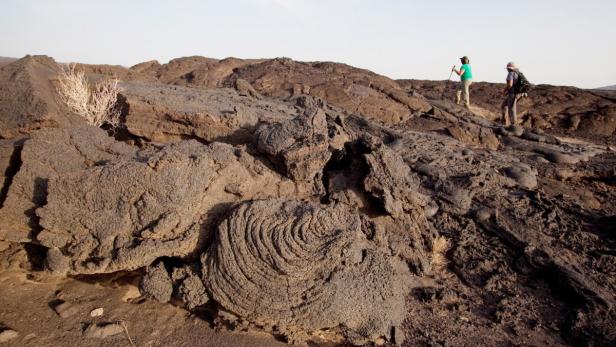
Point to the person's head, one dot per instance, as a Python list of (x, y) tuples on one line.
[(511, 66), (464, 60)]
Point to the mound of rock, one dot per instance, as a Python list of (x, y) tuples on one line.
[(303, 267), (28, 99)]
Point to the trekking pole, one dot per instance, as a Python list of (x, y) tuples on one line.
[(448, 83), (451, 74)]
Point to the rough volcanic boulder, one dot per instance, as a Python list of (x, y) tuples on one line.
[(124, 214), (184, 284), (304, 267), (391, 180), (302, 145), (50, 153), (28, 99), (164, 113)]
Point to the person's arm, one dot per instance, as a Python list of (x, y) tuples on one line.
[(459, 72)]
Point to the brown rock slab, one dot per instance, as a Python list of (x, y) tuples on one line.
[(164, 113), (66, 309), (101, 331)]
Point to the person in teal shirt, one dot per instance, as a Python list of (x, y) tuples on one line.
[(466, 79)]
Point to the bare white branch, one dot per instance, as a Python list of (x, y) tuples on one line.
[(97, 104)]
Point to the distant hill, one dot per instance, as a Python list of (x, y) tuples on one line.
[(6, 60), (608, 88)]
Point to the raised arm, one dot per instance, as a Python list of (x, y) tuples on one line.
[(459, 72)]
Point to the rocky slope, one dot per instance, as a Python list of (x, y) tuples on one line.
[(315, 202), (608, 88), (560, 110)]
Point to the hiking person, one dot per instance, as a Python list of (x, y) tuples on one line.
[(466, 79), (516, 88)]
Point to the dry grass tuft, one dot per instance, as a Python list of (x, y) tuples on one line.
[(440, 246), (97, 104), (123, 325)]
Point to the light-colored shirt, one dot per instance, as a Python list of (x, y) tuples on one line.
[(512, 76)]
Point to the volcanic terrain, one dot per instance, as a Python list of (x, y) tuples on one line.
[(271, 201)]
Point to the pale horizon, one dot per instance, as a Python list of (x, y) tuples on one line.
[(552, 42)]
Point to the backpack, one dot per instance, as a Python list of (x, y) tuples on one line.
[(521, 85)]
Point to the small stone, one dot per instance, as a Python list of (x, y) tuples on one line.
[(97, 312), (539, 159), (523, 175), (564, 174), (380, 341), (431, 210), (66, 309), (101, 331), (561, 158), (8, 335), (56, 262), (156, 283), (483, 214)]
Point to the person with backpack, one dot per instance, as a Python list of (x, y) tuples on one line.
[(516, 88), (466, 79)]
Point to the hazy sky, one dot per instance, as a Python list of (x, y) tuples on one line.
[(556, 42)]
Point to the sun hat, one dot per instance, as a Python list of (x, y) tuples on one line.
[(511, 65)]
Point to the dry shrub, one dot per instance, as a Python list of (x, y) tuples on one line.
[(96, 104), (440, 246)]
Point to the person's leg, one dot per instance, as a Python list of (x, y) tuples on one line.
[(505, 110), (513, 109), (467, 98), (459, 92)]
